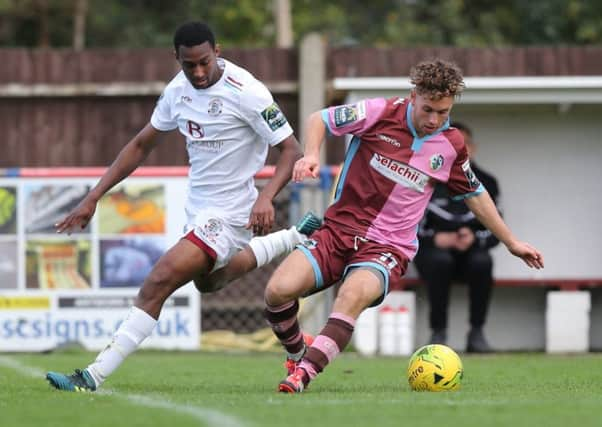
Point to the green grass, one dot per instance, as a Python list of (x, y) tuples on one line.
[(196, 389)]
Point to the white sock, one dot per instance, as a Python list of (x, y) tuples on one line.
[(297, 356), (282, 242), (135, 328)]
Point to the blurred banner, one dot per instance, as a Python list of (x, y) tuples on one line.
[(58, 288), (43, 321)]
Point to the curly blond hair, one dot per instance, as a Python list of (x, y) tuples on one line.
[(437, 79)]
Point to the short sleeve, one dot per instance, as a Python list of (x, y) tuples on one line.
[(162, 118), (264, 115), (463, 182), (354, 118)]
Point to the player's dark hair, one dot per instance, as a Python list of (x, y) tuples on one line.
[(462, 127), (193, 34)]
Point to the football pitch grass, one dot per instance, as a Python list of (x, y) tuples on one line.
[(239, 390)]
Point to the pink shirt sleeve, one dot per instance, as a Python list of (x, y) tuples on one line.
[(355, 118)]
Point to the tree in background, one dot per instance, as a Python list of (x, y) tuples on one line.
[(402, 23)]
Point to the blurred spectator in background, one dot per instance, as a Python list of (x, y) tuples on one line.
[(455, 246)]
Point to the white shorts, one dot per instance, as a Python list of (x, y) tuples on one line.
[(211, 232)]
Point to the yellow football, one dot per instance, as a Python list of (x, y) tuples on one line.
[(435, 367)]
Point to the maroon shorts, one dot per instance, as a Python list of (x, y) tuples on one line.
[(334, 252)]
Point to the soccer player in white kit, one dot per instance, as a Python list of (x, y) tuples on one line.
[(229, 120)]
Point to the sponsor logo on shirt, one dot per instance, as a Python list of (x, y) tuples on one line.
[(346, 114), (210, 146), (186, 98), (215, 107), (473, 181), (436, 162), (400, 172), (273, 117), (195, 130), (388, 139)]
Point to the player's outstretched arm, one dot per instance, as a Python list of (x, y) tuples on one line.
[(263, 213), (486, 212), (309, 164), (128, 159)]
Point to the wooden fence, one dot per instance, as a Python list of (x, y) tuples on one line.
[(57, 108)]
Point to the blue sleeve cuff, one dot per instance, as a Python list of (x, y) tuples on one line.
[(324, 114), (478, 191)]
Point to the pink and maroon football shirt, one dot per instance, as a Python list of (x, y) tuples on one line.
[(389, 172)]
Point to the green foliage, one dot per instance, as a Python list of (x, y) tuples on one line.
[(401, 23), (139, 23), (35, 22)]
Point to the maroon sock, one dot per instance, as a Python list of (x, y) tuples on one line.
[(283, 321), (332, 340)]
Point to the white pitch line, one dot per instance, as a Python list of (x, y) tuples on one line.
[(208, 417), (26, 371)]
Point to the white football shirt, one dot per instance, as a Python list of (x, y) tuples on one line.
[(228, 128)]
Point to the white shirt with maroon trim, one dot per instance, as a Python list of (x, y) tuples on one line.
[(228, 129)]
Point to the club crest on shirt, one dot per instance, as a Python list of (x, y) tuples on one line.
[(215, 107), (436, 162), (274, 117), (470, 176), (346, 114)]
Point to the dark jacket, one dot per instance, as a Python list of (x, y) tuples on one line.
[(445, 214)]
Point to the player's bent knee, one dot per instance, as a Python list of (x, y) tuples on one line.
[(278, 292), (159, 284), (290, 280), (271, 294)]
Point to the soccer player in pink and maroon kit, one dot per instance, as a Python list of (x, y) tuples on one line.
[(400, 149)]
